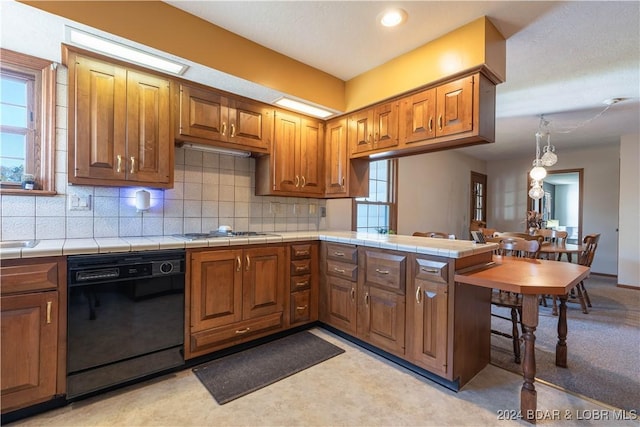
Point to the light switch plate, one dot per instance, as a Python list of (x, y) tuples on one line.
[(79, 203)]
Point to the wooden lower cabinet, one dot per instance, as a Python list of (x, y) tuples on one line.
[(303, 280), (235, 295), (33, 331)]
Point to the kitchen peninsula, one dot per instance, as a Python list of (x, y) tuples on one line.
[(447, 284)]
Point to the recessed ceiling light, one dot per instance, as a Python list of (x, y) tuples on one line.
[(393, 17)]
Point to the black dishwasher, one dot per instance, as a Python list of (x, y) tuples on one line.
[(125, 318)]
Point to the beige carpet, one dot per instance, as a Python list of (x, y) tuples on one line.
[(604, 346)]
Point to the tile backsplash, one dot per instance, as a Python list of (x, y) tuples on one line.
[(209, 190)]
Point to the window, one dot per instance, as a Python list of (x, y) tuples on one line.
[(27, 120), (478, 201), (378, 212)]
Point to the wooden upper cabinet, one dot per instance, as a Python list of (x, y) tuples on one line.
[(452, 114), (295, 166), (119, 125), (207, 116), (374, 128), (336, 158)]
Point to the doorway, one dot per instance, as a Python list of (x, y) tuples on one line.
[(561, 206)]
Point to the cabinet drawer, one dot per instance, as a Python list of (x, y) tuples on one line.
[(240, 330), (300, 251), (29, 277), (342, 253), (299, 283), (385, 270), (300, 267), (434, 271), (341, 269), (301, 306)]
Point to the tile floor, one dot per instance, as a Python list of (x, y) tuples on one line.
[(356, 388)]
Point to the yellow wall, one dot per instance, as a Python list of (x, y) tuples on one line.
[(163, 27)]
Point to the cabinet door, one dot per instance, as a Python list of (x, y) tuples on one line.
[(341, 307), (148, 128), (250, 125), (382, 319), (455, 107), (336, 158), (216, 288), (285, 142), (309, 157), (29, 349), (97, 124), (263, 281), (428, 325), (360, 132), (417, 117), (203, 114), (385, 125)]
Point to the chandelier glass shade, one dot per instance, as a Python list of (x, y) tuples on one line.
[(548, 158)]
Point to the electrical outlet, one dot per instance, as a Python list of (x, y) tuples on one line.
[(79, 203), (323, 212)]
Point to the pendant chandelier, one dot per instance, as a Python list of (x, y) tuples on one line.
[(548, 158)]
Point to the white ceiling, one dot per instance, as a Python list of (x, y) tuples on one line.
[(563, 58)]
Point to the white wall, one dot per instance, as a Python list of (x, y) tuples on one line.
[(629, 244), (508, 202)]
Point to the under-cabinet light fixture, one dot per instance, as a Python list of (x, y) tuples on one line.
[(303, 107), (121, 51), (217, 150), (143, 200)]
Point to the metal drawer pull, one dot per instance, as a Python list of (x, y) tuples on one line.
[(248, 262), (238, 263), (49, 311), (301, 268), (301, 307), (429, 270), (382, 271), (338, 270), (430, 294), (339, 254), (418, 295), (301, 284), (302, 253), (243, 331)]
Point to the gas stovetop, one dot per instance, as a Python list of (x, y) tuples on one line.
[(214, 234)]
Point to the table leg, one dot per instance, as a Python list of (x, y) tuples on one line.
[(528, 394), (561, 346)]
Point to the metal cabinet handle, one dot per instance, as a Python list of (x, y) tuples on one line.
[(238, 263), (233, 130), (429, 270), (339, 254), (301, 284), (366, 298), (338, 270), (382, 271), (304, 181), (242, 331), (301, 268), (418, 295), (343, 182), (430, 124), (224, 129), (248, 266), (302, 253), (440, 121), (301, 307), (119, 165), (49, 303), (133, 164), (353, 293), (297, 181)]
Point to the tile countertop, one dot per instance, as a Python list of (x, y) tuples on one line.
[(424, 245)]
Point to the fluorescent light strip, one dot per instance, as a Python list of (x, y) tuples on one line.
[(112, 48), (303, 108), (210, 149)]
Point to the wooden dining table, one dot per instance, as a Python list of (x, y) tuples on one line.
[(531, 278), (558, 249)]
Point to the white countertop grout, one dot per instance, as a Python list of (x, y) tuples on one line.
[(423, 245)]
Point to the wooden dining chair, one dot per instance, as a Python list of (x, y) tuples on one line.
[(553, 237), (487, 232), (523, 235), (435, 234), (512, 300)]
